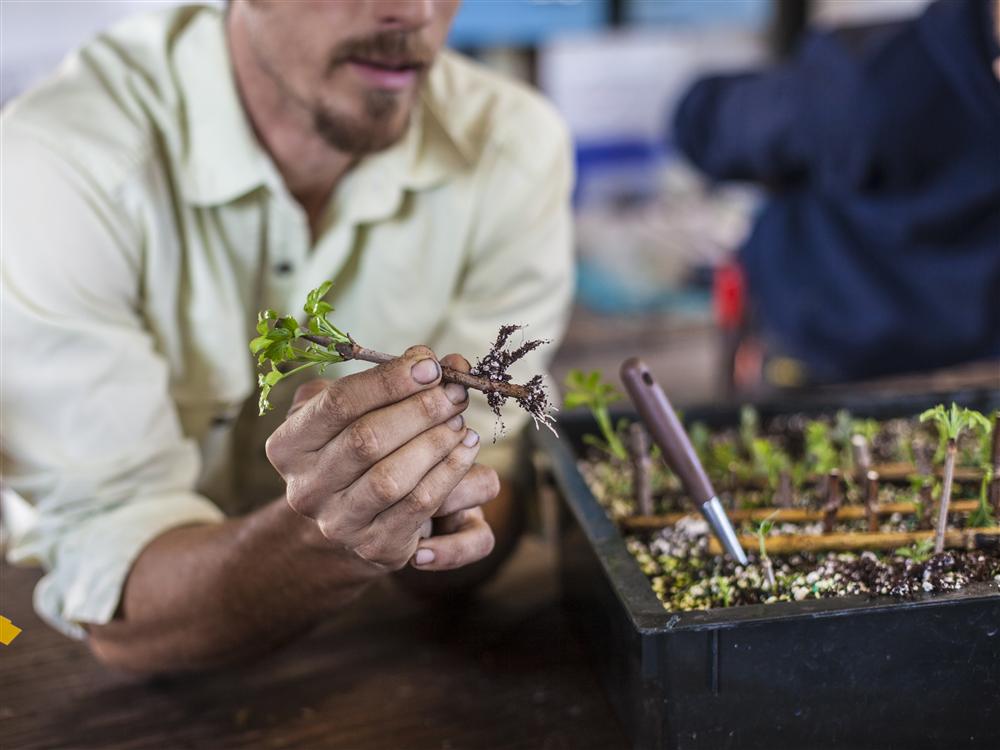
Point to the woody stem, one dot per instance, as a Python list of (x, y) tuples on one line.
[(351, 350)]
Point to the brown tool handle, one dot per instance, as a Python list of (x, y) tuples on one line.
[(657, 413)]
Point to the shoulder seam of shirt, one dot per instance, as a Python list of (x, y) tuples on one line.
[(113, 184), (509, 106)]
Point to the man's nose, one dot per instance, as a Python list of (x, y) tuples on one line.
[(404, 14)]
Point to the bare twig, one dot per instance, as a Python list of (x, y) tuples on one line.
[(638, 448), (871, 501), (949, 471), (834, 499), (784, 497), (448, 374), (862, 455)]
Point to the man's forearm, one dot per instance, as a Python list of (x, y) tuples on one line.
[(205, 595)]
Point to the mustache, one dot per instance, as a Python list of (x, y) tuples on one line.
[(397, 48)]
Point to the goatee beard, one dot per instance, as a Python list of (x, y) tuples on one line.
[(373, 132)]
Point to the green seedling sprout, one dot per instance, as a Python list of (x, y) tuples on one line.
[(769, 460), (951, 423), (917, 483), (763, 529), (587, 389), (843, 428), (749, 428), (722, 458), (919, 551), (869, 429), (983, 514), (700, 439), (821, 456)]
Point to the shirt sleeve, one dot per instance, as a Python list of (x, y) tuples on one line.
[(91, 438), (519, 268), (773, 126)]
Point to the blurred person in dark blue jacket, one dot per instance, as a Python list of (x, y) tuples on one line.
[(878, 250)]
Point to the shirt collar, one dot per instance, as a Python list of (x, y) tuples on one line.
[(221, 159)]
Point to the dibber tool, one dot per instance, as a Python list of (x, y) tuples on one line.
[(658, 415)]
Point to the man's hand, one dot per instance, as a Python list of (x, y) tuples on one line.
[(373, 457), (368, 461)]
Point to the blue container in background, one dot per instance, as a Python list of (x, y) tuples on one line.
[(491, 23)]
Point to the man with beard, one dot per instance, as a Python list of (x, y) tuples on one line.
[(188, 169)]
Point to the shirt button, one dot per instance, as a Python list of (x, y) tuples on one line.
[(283, 268)]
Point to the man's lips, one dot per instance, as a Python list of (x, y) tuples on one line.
[(390, 75)]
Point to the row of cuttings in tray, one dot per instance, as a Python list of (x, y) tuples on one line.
[(826, 506)]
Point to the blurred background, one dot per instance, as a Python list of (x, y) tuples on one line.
[(655, 239)]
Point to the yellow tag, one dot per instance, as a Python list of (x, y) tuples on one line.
[(8, 631)]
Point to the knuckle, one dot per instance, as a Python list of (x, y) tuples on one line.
[(458, 461), (384, 485), (421, 501), (363, 441), (442, 441), (306, 391), (300, 497), (333, 405), (330, 529), (376, 550), (433, 405), (274, 448), (391, 381)]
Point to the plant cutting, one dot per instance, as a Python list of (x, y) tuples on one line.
[(589, 390), (284, 346), (763, 529), (951, 423)]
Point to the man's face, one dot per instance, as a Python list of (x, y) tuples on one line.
[(355, 65)]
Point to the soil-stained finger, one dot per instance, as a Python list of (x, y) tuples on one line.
[(341, 402), (477, 488), (468, 539), (397, 480), (380, 433), (405, 517)]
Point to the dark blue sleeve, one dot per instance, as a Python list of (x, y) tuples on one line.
[(765, 126)]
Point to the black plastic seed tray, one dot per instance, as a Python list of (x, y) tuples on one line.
[(847, 673)]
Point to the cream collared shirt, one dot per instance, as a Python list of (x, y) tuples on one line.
[(143, 227)]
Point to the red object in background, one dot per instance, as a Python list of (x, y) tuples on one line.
[(729, 296)]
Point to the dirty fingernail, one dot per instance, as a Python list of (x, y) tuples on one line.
[(456, 393), (425, 371), (456, 422), (470, 439), (424, 556)]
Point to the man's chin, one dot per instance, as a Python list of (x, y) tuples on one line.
[(359, 135)]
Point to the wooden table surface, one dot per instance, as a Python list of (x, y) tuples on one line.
[(501, 673)]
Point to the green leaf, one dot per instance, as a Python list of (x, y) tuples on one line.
[(315, 305), (258, 344)]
